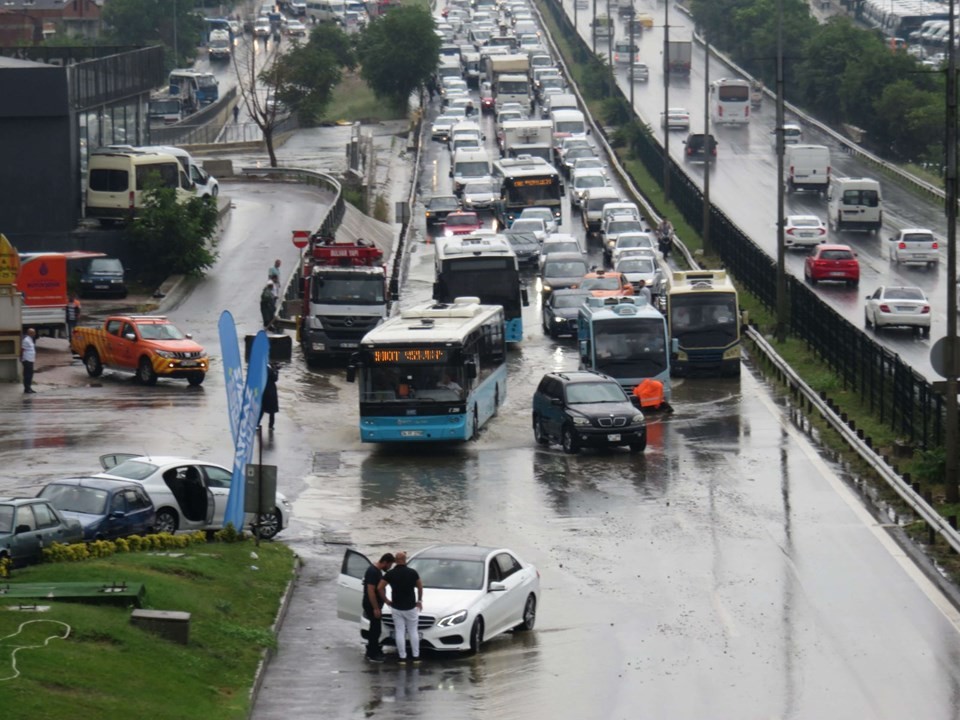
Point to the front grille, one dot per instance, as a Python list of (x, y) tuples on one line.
[(612, 421), (187, 355), (352, 327), (423, 622)]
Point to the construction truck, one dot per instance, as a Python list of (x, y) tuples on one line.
[(344, 293)]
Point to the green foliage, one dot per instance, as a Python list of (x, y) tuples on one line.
[(178, 236), (616, 111), (398, 53), (149, 22), (930, 465), (306, 76)]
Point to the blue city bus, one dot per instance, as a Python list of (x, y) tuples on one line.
[(526, 182), (195, 89), (704, 319), (625, 338), (485, 267), (436, 373)]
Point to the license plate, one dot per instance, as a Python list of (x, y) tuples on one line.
[(838, 274), (615, 437), (349, 345), (319, 347), (411, 433), (918, 256), (188, 363), (101, 287), (904, 309), (806, 235), (393, 635)]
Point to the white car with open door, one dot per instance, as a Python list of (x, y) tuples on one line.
[(470, 595), (189, 494)]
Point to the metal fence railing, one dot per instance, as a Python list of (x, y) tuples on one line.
[(902, 398)]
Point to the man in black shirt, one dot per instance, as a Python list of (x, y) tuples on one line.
[(406, 589), (373, 603)]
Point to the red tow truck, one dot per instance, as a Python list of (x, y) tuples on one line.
[(344, 296)]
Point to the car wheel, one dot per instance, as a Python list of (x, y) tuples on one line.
[(270, 524), (476, 426), (529, 614), (146, 373), (496, 400), (812, 279), (569, 440), (866, 320), (853, 283), (92, 362), (639, 445), (215, 191), (539, 433), (476, 635), (197, 379), (166, 521), (926, 332)]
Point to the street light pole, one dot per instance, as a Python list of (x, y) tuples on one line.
[(666, 101), (610, 79), (176, 49), (633, 57), (783, 310), (705, 233), (951, 355), (593, 28)]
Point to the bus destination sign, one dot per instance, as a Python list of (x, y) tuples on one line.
[(409, 356)]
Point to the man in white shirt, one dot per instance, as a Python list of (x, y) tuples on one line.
[(28, 356)]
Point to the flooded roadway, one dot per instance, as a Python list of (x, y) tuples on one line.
[(727, 572)]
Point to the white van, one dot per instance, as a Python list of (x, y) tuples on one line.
[(326, 10), (207, 185), (567, 123), (116, 180), (855, 203), (806, 167), (469, 165), (591, 208), (558, 101)]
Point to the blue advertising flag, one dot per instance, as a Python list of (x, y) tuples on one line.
[(247, 429), (232, 369)]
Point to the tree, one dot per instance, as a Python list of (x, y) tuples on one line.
[(147, 22), (307, 75), (175, 235), (257, 71), (398, 53)]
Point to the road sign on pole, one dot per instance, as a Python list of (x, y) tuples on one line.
[(301, 238)]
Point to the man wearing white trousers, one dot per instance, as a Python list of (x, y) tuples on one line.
[(406, 601)]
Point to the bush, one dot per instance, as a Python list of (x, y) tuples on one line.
[(77, 552)]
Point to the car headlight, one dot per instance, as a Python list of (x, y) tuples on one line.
[(637, 419), (580, 421), (547, 288), (450, 620), (164, 353), (557, 320)]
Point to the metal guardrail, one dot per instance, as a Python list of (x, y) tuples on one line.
[(795, 383), (195, 128), (395, 264)]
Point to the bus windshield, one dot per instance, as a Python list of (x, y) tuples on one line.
[(704, 320), (532, 191), (410, 383), (630, 347)]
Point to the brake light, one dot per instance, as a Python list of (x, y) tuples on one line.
[(902, 245), (746, 111), (790, 231), (828, 171), (822, 231), (885, 308), (133, 199), (925, 310), (720, 111), (935, 245), (791, 171)]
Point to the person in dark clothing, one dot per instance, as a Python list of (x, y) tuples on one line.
[(271, 403), (406, 590), (268, 305), (373, 604)]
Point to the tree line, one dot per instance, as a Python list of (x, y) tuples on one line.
[(837, 72)]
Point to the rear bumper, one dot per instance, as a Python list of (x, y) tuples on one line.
[(609, 437)]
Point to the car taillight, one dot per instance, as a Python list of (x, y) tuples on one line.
[(828, 171), (746, 112), (720, 111), (935, 245), (885, 308), (790, 231), (925, 310), (902, 246), (133, 199), (791, 171), (822, 231)]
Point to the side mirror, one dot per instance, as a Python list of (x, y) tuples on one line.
[(524, 296), (352, 367), (129, 336), (635, 401), (117, 514), (471, 368), (188, 336), (451, 173), (674, 347), (497, 587), (584, 350)]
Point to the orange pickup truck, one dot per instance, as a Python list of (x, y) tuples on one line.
[(150, 346)]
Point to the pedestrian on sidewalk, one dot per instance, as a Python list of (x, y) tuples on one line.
[(406, 589), (236, 114), (373, 605), (28, 356), (268, 305), (271, 403), (274, 272), (72, 315)]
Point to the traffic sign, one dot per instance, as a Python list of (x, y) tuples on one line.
[(938, 358), (301, 238)]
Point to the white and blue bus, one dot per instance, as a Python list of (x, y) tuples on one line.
[(436, 373), (485, 267), (625, 338)]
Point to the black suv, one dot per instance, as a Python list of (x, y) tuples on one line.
[(586, 408), (700, 147)]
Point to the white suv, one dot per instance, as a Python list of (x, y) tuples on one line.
[(915, 245)]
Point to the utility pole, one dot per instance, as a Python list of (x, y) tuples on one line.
[(666, 101), (576, 14), (176, 49), (951, 356), (633, 54), (705, 232), (783, 310), (593, 27), (611, 77)]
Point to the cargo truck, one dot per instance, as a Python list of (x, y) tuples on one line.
[(679, 53)]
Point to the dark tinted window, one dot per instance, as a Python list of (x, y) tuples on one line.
[(109, 180), (507, 564), (836, 255)]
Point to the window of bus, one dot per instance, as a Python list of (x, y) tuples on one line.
[(733, 93), (713, 315), (390, 380), (531, 190)]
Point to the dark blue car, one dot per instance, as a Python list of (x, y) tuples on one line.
[(105, 508), (103, 276)]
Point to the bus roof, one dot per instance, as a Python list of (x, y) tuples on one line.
[(608, 308), (523, 166), (475, 245), (433, 322), (700, 281)]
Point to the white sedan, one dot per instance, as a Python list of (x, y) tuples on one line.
[(675, 119), (898, 307), (804, 231), (470, 595), (189, 494)]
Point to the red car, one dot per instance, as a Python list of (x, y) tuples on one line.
[(462, 223), (832, 262), (487, 100)]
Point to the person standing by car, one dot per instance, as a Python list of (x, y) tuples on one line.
[(406, 590), (28, 356), (72, 315), (373, 604)]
